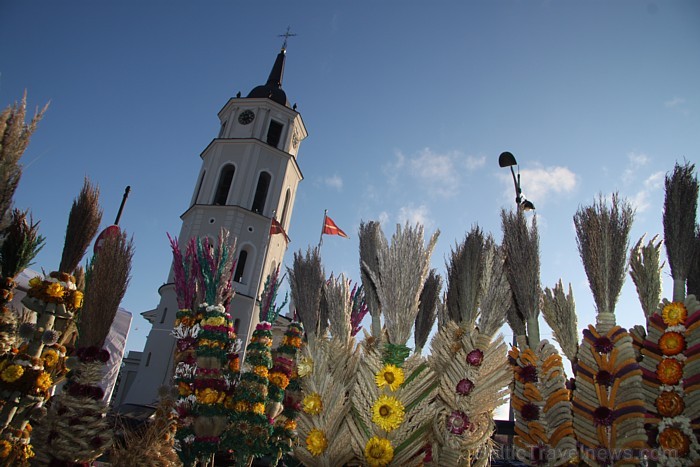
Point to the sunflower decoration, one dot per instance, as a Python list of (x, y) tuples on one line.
[(327, 371), (393, 400)]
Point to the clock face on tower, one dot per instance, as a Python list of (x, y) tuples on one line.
[(246, 117)]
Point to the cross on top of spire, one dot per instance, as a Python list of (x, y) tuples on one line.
[(286, 36)]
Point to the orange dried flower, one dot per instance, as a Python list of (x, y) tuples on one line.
[(669, 371), (674, 442), (670, 404), (672, 343)]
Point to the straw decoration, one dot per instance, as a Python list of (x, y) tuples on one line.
[(306, 278), (427, 311), (215, 268), (109, 274), (402, 269), (327, 373), (602, 235), (645, 271), (464, 273), (680, 207), (269, 310), (496, 296), (15, 134), (83, 222), (21, 243), (336, 291), (522, 263), (370, 238), (559, 310)]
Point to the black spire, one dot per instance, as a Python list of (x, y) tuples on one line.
[(272, 89)]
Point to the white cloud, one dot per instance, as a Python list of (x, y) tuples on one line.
[(415, 215), (538, 184), (636, 161), (334, 182), (439, 174), (675, 102)]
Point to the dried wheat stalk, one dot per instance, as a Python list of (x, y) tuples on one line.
[(496, 296), (83, 221), (427, 310), (109, 275), (559, 310), (14, 139), (522, 262), (680, 206), (603, 239), (402, 269), (306, 278), (371, 237), (336, 292), (645, 271), (464, 273)]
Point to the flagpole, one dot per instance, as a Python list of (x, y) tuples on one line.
[(323, 226)]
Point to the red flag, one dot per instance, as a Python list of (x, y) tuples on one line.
[(329, 228), (276, 228)]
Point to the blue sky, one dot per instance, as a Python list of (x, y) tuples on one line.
[(408, 105)]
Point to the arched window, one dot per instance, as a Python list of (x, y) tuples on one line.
[(224, 185), (199, 187), (240, 266), (261, 193), (223, 128), (283, 220)]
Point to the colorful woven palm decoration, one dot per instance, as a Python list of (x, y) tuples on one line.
[(608, 400), (469, 362)]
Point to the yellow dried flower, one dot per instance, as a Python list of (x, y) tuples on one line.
[(261, 371), (43, 381), (316, 442), (214, 321), (388, 413), (35, 282), (391, 376), (50, 357), (674, 313), (279, 379), (259, 408), (241, 406), (312, 404), (77, 299), (378, 452), (54, 290), (12, 373), (305, 366), (5, 448), (207, 395)]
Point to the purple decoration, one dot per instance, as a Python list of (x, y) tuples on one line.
[(530, 412), (603, 416), (458, 422), (528, 373), (475, 357), (603, 345), (604, 378), (359, 309), (464, 387)]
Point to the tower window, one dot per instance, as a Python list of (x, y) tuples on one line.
[(199, 187), (240, 266), (261, 193), (223, 128), (236, 325), (165, 313), (274, 133), (224, 185)]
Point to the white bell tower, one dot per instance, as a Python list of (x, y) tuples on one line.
[(249, 175)]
